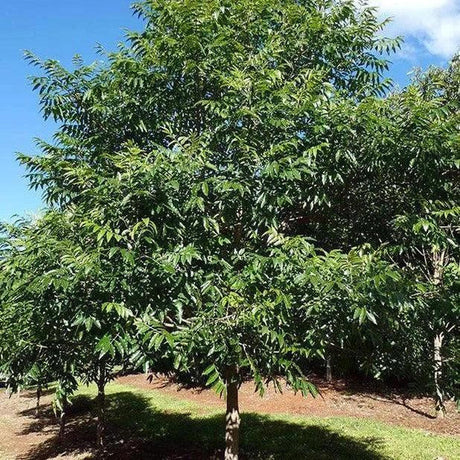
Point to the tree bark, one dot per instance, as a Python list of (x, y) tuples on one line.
[(101, 406), (62, 420), (328, 369), (37, 407), (440, 258), (439, 398), (232, 420)]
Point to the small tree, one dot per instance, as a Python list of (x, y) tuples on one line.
[(59, 321), (428, 233), (37, 344), (431, 251)]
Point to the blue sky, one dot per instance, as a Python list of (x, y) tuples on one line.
[(61, 28)]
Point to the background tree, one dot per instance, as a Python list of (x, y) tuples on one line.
[(37, 344), (59, 323)]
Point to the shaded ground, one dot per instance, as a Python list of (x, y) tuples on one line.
[(337, 399), (163, 421)]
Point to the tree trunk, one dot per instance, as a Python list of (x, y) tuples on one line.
[(439, 399), (440, 259), (101, 407), (328, 369), (37, 407), (62, 420), (232, 421)]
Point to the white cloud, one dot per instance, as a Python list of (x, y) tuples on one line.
[(435, 24)]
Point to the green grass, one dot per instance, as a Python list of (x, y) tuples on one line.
[(155, 422)]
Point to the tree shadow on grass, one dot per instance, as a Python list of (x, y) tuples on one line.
[(136, 430)]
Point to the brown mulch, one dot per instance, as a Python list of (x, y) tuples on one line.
[(340, 398)]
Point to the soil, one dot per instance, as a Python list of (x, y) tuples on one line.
[(22, 436), (339, 398)]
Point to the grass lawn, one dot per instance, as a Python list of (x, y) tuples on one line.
[(155, 425)]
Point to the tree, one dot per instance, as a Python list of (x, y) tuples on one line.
[(37, 344), (226, 105), (430, 248), (58, 319), (214, 145), (429, 233)]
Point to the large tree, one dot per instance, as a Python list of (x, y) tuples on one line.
[(205, 156)]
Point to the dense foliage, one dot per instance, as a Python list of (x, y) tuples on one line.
[(236, 193)]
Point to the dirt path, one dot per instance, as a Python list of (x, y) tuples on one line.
[(337, 399)]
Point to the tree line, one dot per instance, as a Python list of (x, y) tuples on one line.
[(239, 192)]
